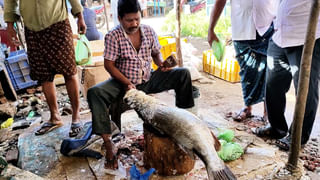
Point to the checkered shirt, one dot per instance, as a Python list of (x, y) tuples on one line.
[(136, 66)]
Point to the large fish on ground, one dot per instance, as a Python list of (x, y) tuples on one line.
[(184, 127)]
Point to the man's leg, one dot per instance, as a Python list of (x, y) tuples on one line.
[(178, 79), (253, 74), (277, 85), (72, 85), (294, 56), (49, 90), (100, 98)]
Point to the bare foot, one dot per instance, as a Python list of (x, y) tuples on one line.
[(55, 118), (111, 161)]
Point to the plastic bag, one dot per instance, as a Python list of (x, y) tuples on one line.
[(7, 123), (230, 151), (136, 175), (82, 51), (226, 135), (218, 49)]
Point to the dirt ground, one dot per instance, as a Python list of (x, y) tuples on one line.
[(221, 97)]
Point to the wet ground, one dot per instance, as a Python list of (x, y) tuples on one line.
[(217, 99)]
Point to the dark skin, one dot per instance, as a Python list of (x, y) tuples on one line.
[(131, 24), (214, 17)]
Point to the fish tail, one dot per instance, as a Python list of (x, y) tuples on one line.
[(221, 174)]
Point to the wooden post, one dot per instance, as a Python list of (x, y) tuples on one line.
[(106, 14), (303, 86), (178, 34)]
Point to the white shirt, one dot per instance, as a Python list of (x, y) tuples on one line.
[(249, 16), (114, 11), (291, 23)]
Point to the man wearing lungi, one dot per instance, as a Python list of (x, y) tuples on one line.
[(251, 30), (50, 50)]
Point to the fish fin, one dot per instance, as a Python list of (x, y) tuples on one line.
[(187, 151), (222, 174), (154, 129), (217, 144)]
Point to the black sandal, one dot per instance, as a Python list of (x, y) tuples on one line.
[(47, 127), (285, 143), (266, 131)]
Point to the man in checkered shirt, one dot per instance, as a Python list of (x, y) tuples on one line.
[(129, 50)]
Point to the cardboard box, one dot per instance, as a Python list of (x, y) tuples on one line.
[(94, 73), (90, 76), (96, 47)]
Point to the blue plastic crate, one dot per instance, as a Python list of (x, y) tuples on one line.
[(19, 71)]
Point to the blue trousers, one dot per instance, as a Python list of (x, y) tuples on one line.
[(102, 95), (283, 66)]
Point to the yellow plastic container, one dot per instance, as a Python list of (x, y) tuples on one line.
[(168, 45), (228, 69)]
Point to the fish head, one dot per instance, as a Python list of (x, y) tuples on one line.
[(134, 98), (129, 98), (141, 102)]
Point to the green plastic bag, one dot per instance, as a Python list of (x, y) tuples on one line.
[(218, 50), (226, 135), (82, 51), (230, 151)]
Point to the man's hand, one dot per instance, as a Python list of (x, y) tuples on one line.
[(212, 37), (82, 28), (165, 69), (130, 86), (12, 35)]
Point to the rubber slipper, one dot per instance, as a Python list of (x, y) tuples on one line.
[(47, 127), (75, 129), (266, 131), (285, 143), (242, 115)]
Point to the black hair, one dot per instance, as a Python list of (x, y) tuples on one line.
[(83, 2), (128, 6)]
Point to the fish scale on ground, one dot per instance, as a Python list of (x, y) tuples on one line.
[(190, 132)]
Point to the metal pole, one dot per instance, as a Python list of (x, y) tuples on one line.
[(178, 34), (303, 86), (106, 14)]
